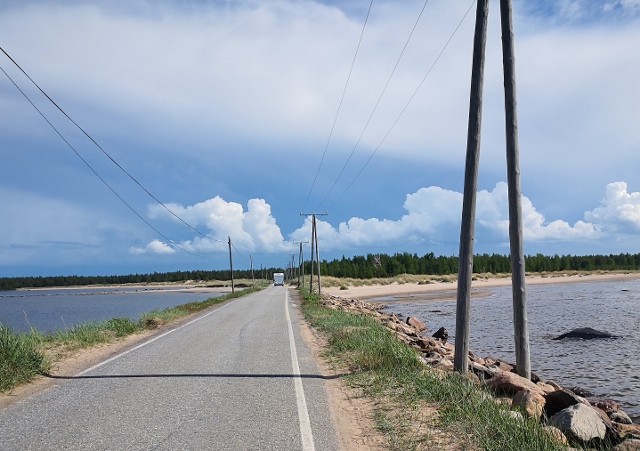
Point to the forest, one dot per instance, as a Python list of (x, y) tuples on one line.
[(360, 267), (382, 265)]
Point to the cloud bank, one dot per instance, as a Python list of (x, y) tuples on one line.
[(432, 216)]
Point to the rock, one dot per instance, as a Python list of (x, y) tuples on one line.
[(620, 417), (531, 402), (442, 334), (559, 400), (426, 343), (405, 329), (547, 388), (584, 392), (579, 422), (416, 324), (586, 333), (628, 445), (628, 430), (605, 404), (556, 434), (444, 364), (482, 371), (511, 383), (499, 364)]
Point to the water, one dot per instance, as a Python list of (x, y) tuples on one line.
[(49, 310), (607, 367)]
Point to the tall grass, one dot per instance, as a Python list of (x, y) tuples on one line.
[(20, 357), (417, 407), (24, 355)]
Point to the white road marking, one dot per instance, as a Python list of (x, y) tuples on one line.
[(151, 341), (303, 413)]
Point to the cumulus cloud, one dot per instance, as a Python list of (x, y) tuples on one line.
[(433, 215), (154, 247), (217, 219), (620, 210)]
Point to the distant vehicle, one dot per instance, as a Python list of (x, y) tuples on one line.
[(278, 279)]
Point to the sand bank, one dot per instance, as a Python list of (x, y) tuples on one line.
[(447, 290)]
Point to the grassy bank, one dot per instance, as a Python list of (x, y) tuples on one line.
[(417, 407), (24, 355)]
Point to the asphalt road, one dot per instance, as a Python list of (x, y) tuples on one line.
[(237, 377)]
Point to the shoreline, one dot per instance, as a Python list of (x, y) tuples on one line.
[(447, 290)]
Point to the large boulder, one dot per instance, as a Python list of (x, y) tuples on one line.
[(586, 333), (579, 422), (510, 383), (561, 399)]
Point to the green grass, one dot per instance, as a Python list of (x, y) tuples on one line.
[(25, 355), (418, 407)]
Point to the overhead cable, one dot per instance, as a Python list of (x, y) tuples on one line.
[(335, 119), (405, 107), (105, 152), (376, 105), (94, 171)]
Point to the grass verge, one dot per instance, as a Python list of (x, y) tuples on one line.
[(417, 407), (24, 355)]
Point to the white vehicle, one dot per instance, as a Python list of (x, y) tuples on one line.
[(278, 279)]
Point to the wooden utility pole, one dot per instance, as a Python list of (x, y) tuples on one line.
[(233, 290), (253, 280), (523, 362), (465, 261), (465, 270), (300, 262), (314, 249)]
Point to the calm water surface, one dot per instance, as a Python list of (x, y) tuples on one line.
[(48, 310), (607, 367)]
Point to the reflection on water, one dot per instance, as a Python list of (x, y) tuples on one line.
[(48, 310), (607, 367)]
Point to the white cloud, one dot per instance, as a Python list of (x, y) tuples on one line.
[(253, 230), (154, 247), (433, 214), (620, 210)]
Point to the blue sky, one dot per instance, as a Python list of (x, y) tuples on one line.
[(223, 111)]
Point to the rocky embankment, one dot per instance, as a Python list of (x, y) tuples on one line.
[(571, 415)]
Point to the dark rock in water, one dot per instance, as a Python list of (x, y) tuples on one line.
[(586, 333), (441, 333)]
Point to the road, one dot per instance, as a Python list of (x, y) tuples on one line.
[(237, 377)]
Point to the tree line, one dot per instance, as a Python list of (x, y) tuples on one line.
[(383, 265), (358, 267), (13, 283)]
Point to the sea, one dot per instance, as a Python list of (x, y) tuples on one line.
[(609, 368), (48, 310)]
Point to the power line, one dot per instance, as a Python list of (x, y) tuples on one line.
[(405, 107), (100, 147), (376, 105), (94, 171), (335, 120)]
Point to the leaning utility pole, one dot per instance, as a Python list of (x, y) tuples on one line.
[(233, 290), (523, 362), (465, 265)]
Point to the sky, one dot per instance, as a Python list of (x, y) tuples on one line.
[(228, 119)]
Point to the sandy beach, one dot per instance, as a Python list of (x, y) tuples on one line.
[(447, 290)]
